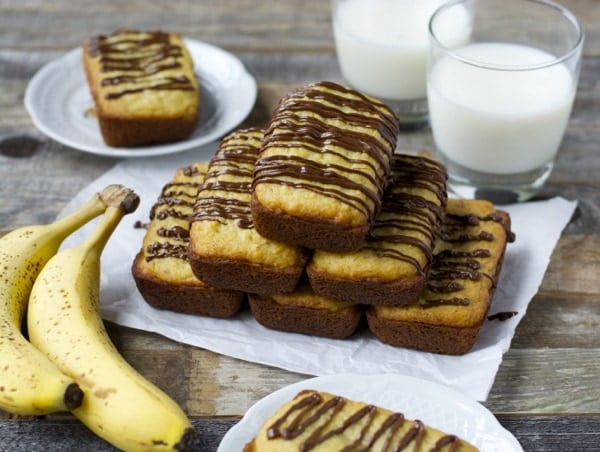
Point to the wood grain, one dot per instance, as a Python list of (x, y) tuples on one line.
[(234, 24), (538, 433), (574, 267)]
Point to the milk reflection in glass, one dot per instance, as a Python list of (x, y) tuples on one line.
[(499, 121), (382, 47)]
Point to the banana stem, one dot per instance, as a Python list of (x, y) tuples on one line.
[(91, 209), (99, 237), (114, 195), (120, 196), (119, 201)]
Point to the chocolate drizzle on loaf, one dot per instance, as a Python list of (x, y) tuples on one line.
[(391, 263), (179, 198), (226, 193), (175, 194), (226, 249), (159, 250), (136, 58), (326, 420), (451, 267), (502, 316), (408, 216), (307, 118), (162, 270), (176, 232)]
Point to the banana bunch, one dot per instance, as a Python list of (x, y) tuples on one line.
[(69, 361), (30, 383), (64, 322)]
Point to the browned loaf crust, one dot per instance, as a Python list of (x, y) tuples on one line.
[(143, 86), (225, 248), (321, 421), (302, 311), (161, 271), (323, 166), (391, 265), (453, 306)]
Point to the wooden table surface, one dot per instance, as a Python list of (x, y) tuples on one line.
[(547, 390)]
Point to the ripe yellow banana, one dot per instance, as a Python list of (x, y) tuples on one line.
[(29, 382), (64, 322)]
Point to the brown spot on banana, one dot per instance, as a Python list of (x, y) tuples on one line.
[(104, 392)]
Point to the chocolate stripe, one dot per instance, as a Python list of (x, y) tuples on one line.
[(230, 171), (137, 60), (326, 119)]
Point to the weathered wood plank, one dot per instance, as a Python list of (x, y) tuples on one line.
[(554, 433), (574, 267), (539, 433), (539, 380), (553, 322), (562, 380), (225, 386), (49, 435), (55, 171), (236, 24)]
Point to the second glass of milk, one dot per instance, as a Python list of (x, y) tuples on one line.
[(382, 48), (499, 104)]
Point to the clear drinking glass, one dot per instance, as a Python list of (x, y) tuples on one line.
[(382, 48), (500, 100)]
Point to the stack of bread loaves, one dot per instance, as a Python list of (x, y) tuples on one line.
[(320, 224)]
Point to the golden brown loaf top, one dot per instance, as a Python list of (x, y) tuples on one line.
[(467, 259), (141, 74), (320, 421), (143, 85), (221, 224), (225, 248), (164, 248), (161, 269), (399, 247), (305, 297), (325, 159)]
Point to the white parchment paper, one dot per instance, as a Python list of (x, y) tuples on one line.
[(537, 226)]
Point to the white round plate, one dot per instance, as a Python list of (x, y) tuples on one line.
[(57, 98), (434, 404)]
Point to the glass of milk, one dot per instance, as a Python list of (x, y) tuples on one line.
[(382, 48), (499, 102)]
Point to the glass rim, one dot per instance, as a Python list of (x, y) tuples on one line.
[(473, 62)]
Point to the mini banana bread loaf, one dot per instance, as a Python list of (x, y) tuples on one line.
[(320, 422), (323, 165), (161, 271), (392, 263), (304, 312), (225, 248), (454, 303), (143, 86)]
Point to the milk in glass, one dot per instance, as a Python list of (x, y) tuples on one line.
[(503, 120), (382, 45)]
